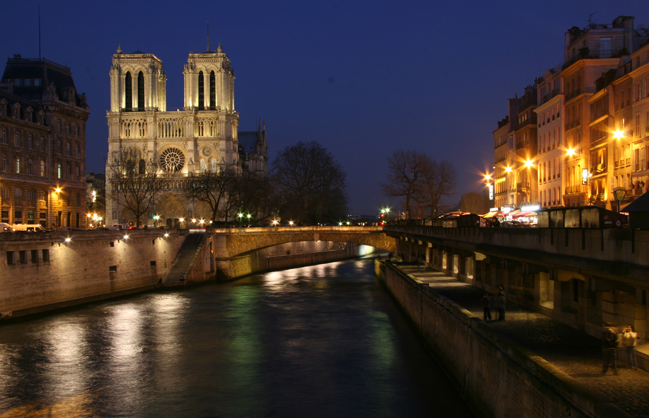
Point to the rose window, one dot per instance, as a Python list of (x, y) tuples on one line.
[(172, 160)]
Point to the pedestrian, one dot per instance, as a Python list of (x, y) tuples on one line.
[(629, 341), (609, 347), (500, 303), (486, 307)]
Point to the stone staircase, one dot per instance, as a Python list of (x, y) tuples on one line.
[(184, 261)]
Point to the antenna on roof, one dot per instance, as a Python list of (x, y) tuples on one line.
[(590, 19), (39, 31), (208, 36)]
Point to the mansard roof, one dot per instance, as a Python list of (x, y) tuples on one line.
[(45, 71)]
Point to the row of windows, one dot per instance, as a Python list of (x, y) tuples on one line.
[(549, 170), (550, 140), (550, 197), (27, 166), (26, 81), (17, 112), (32, 195), (18, 217), (31, 143), (68, 128), (24, 256)]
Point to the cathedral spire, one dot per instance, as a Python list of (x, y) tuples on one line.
[(119, 49), (219, 49), (208, 36)]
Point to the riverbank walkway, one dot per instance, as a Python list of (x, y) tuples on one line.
[(574, 352)]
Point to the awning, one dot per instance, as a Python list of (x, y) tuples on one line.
[(491, 215), (524, 214), (514, 213)]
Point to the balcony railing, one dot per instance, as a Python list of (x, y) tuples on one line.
[(573, 94), (550, 95)]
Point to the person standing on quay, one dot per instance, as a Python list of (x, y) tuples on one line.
[(630, 340), (486, 307), (609, 347), (500, 303)]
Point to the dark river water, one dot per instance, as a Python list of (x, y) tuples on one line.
[(320, 341)]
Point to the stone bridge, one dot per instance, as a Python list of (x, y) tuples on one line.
[(233, 243)]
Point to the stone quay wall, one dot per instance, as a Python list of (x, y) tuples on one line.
[(45, 271), (499, 378), (41, 272)]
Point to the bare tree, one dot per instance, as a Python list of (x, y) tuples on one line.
[(406, 170), (252, 192), (420, 181), (438, 182), (134, 182), (474, 202), (311, 183), (211, 188)]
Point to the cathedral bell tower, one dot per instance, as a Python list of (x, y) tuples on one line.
[(137, 83), (209, 81)]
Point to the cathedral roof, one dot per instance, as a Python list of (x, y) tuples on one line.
[(248, 142)]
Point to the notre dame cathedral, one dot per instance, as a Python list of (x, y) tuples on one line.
[(202, 136)]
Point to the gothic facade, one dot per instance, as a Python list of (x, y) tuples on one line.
[(202, 136)]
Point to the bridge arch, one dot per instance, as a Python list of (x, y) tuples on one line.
[(232, 242)]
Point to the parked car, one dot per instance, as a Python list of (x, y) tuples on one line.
[(6, 228)]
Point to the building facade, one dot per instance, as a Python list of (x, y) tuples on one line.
[(200, 137), (42, 145), (591, 120), (550, 130)]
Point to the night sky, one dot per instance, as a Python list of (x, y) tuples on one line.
[(363, 78)]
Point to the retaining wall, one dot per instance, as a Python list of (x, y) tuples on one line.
[(40, 272), (498, 377)]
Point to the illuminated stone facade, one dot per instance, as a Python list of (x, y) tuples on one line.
[(42, 145), (202, 136)]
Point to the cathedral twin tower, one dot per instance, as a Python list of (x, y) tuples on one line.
[(200, 137)]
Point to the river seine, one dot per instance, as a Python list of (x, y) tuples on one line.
[(320, 341)]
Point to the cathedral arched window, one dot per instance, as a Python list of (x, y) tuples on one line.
[(140, 91), (213, 164), (128, 92), (203, 166), (142, 167), (212, 91), (201, 91)]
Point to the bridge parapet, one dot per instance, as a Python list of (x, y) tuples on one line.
[(616, 252)]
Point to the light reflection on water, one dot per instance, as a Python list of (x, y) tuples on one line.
[(316, 341)]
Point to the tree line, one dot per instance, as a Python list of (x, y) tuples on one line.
[(306, 185)]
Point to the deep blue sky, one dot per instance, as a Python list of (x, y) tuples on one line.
[(364, 78)]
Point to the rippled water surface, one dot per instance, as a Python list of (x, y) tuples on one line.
[(321, 341)]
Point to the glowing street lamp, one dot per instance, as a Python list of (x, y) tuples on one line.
[(508, 169), (618, 134), (528, 163), (570, 152)]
